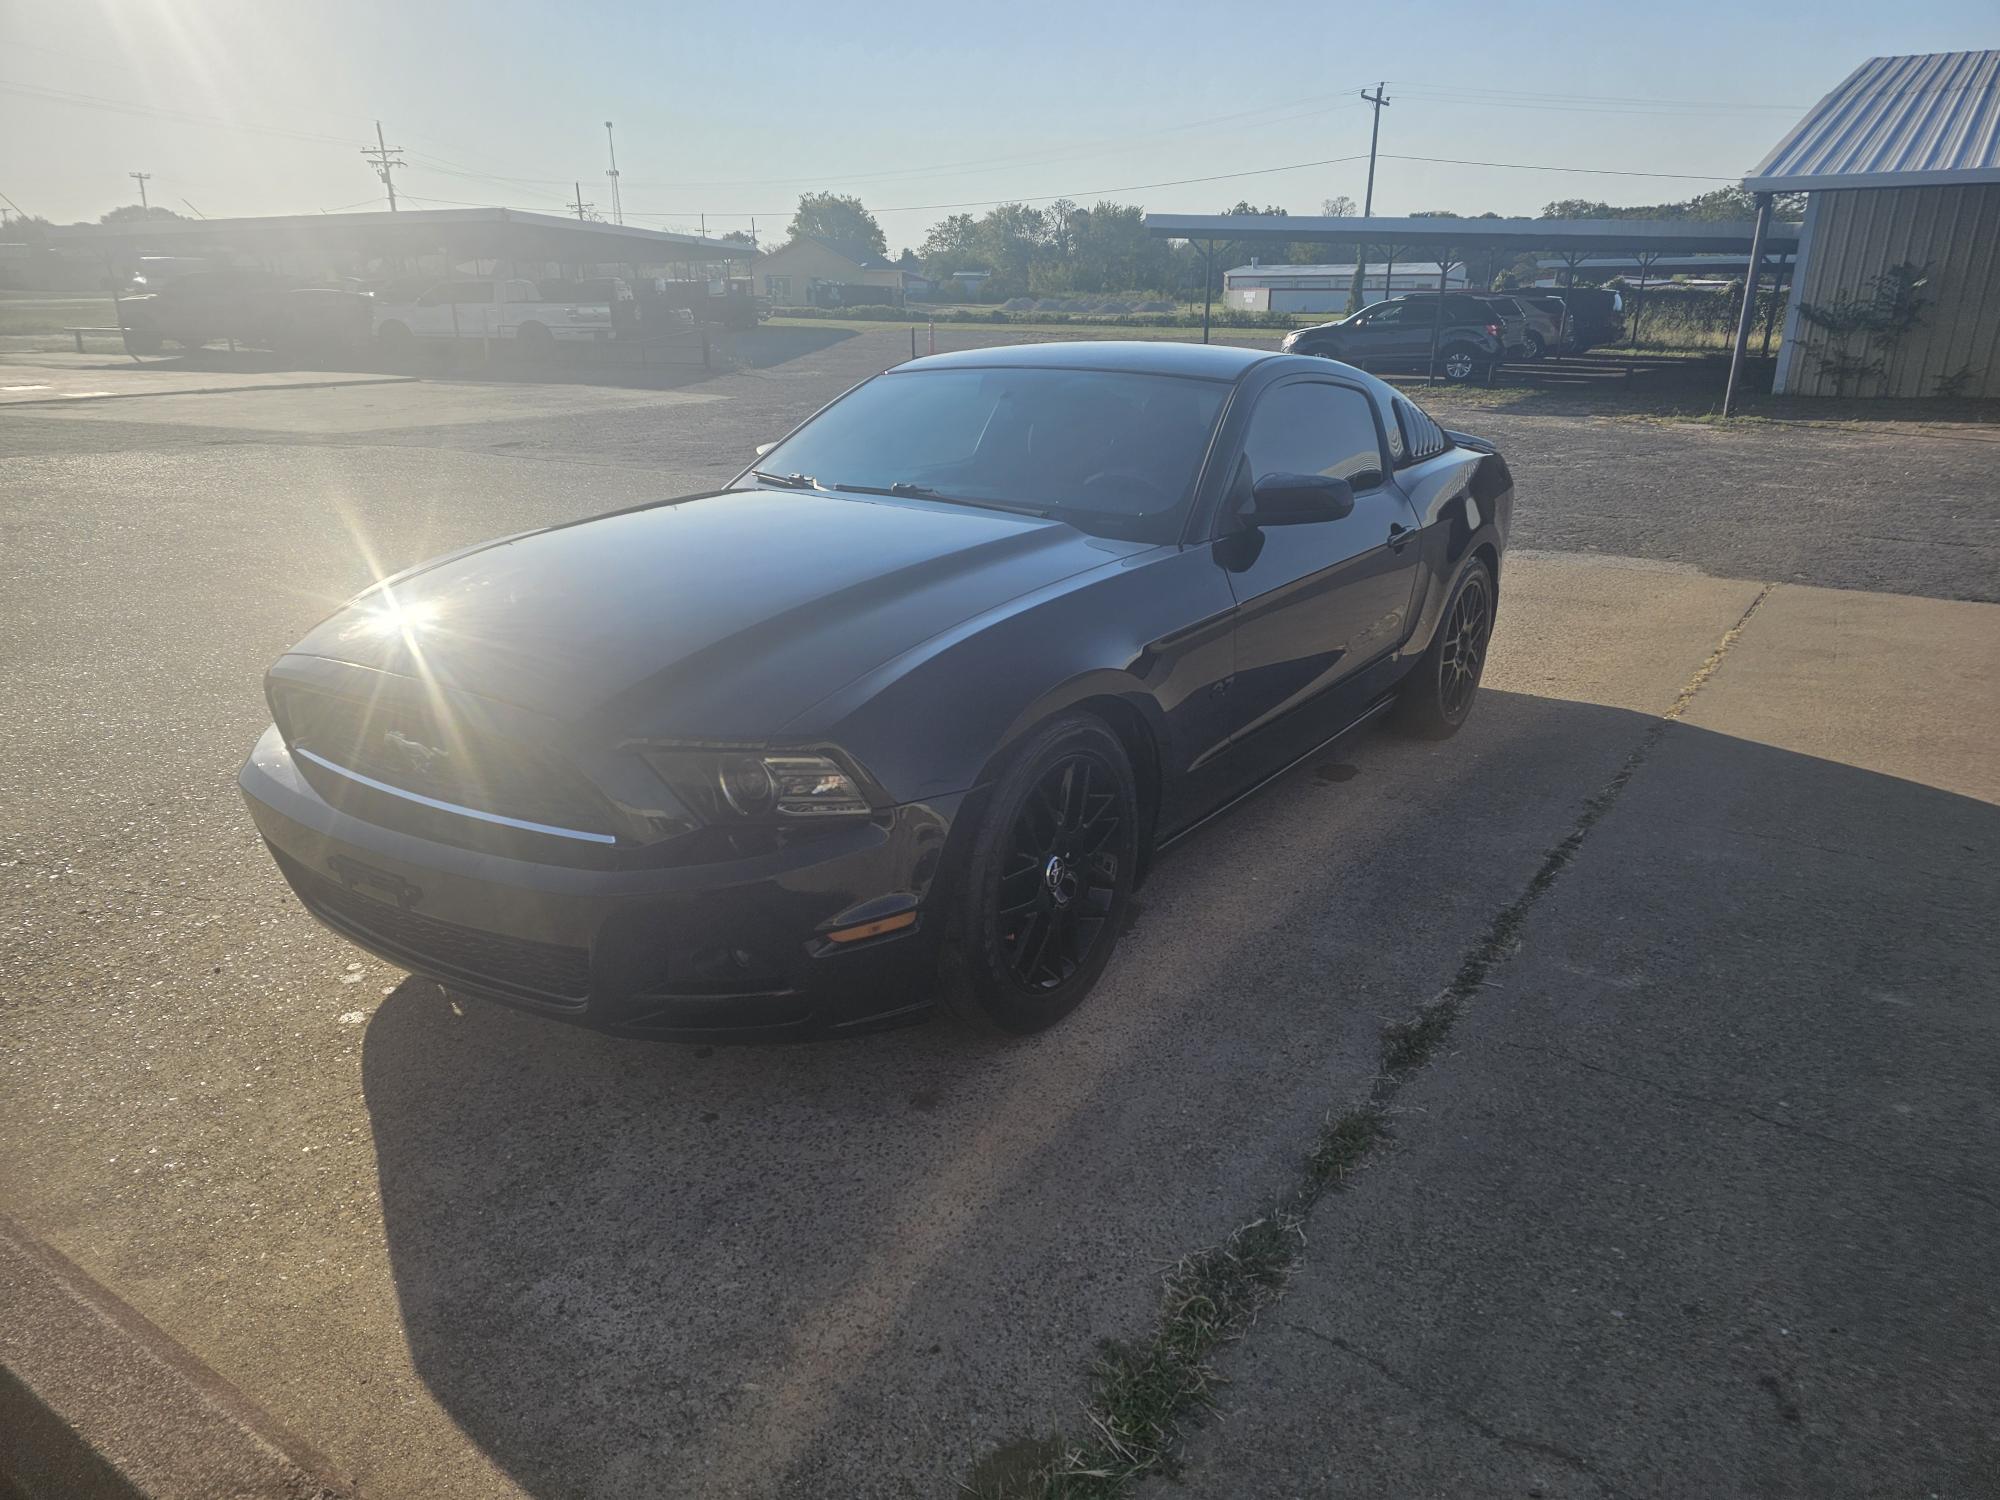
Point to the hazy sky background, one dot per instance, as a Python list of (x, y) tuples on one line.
[(734, 110)]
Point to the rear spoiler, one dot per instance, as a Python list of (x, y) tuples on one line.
[(1467, 440)]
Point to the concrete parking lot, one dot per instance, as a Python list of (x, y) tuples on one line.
[(1699, 1196)]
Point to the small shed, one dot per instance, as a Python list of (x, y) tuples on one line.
[(1896, 291)]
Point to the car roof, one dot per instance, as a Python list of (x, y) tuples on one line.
[(1138, 356)]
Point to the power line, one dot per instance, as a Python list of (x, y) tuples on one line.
[(1622, 99), (1296, 166), (152, 112), (1062, 153), (1529, 166)]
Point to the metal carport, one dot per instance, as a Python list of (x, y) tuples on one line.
[(455, 233), (1449, 241)]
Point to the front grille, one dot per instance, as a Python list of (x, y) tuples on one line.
[(404, 740), (535, 971)]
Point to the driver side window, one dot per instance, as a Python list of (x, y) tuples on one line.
[(1312, 428)]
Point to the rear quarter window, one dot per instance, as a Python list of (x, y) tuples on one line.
[(1422, 438)]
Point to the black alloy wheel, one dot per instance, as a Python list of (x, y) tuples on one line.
[(1051, 869), (1437, 697)]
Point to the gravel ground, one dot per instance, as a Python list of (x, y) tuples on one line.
[(1895, 507)]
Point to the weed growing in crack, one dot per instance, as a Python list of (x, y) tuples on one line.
[(1408, 1045)]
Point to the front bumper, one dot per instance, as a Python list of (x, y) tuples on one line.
[(729, 950)]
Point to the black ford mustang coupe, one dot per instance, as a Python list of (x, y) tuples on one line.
[(900, 714)]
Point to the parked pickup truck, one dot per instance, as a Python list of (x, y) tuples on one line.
[(491, 309)]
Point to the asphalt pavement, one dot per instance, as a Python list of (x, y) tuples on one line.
[(464, 1251)]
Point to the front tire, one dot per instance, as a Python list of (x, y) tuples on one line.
[(1051, 870), (1537, 345), (1435, 700)]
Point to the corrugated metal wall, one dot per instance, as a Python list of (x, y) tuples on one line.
[(1854, 235)]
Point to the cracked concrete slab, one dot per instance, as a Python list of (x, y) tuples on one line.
[(526, 1260), (1702, 1192), (834, 1270)]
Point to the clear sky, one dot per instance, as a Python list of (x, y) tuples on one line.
[(261, 106)]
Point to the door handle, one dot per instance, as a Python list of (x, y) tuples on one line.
[(1400, 535)]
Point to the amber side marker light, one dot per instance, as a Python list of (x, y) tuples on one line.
[(896, 923)]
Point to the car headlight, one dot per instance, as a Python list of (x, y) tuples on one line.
[(726, 785), (1288, 340)]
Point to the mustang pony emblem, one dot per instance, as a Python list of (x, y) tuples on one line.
[(407, 754)]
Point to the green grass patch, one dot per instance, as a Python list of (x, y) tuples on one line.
[(1145, 1396), (25, 314)]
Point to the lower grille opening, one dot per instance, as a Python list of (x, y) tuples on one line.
[(549, 973)]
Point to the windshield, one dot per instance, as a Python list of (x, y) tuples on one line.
[(1112, 454)]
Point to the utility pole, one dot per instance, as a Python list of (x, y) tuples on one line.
[(582, 208), (386, 159), (142, 178), (1356, 293), (617, 205), (704, 226), (1374, 135)]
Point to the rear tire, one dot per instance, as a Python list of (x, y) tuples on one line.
[(1051, 869), (1435, 700), (535, 339), (1459, 363)]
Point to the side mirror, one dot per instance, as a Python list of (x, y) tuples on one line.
[(1299, 500), (764, 449)]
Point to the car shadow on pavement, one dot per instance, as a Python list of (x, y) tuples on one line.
[(844, 1268)]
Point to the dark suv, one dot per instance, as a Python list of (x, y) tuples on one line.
[(1397, 336), (1592, 315), (242, 304)]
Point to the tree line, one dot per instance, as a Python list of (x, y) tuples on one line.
[(1067, 248)]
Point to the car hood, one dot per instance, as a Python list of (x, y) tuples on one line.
[(720, 617)]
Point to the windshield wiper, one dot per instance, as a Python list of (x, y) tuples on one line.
[(787, 481), (903, 489)]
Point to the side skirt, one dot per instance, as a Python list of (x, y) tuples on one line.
[(1374, 709)]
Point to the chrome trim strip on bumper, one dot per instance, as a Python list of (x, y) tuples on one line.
[(453, 807)]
